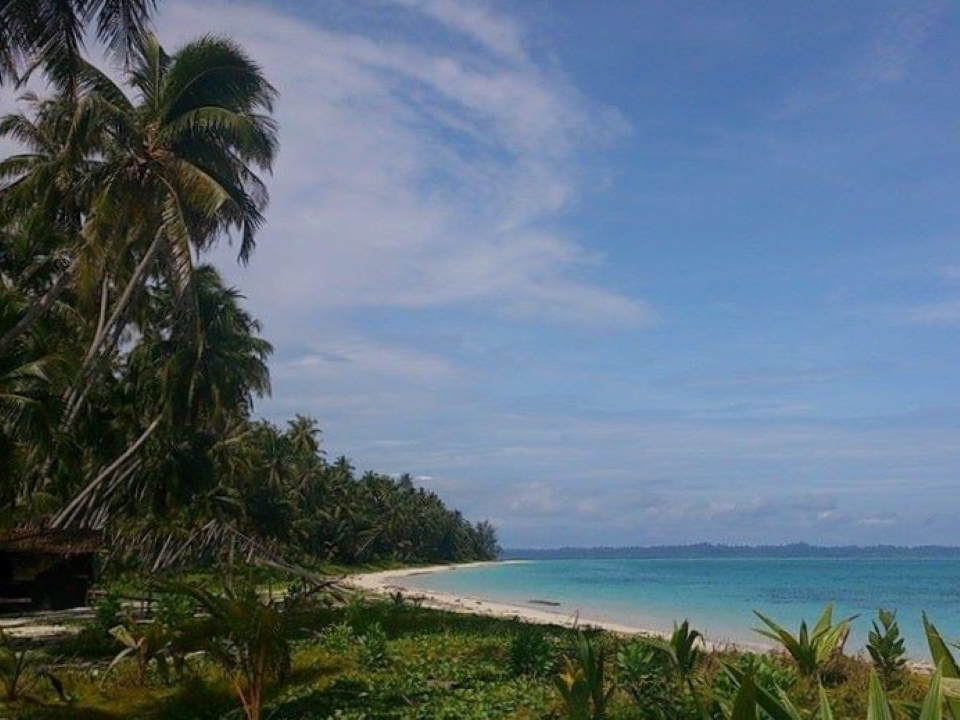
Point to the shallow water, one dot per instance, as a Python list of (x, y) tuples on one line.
[(718, 595)]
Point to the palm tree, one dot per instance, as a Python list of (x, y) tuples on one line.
[(135, 189), (50, 33), (34, 370), (303, 435), (179, 175), (208, 357), (188, 381), (43, 196), (249, 637), (162, 178)]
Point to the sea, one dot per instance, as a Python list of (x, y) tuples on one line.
[(719, 595)]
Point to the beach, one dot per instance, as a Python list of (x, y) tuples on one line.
[(542, 611)]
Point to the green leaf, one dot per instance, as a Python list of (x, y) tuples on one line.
[(825, 622), (121, 633), (878, 707), (944, 660), (116, 661), (933, 703), (826, 712), (745, 703), (778, 707), (942, 657)]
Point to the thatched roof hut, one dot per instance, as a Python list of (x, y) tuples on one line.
[(47, 568)]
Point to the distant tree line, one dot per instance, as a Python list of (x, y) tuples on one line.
[(290, 493), (709, 550)]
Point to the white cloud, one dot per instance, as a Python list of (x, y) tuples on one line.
[(336, 358), (536, 499), (418, 172), (475, 21)]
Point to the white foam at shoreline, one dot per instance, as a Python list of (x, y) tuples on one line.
[(387, 582)]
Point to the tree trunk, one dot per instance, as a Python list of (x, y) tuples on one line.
[(40, 308), (75, 506), (111, 329)]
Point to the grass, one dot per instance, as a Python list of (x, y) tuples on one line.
[(425, 665)]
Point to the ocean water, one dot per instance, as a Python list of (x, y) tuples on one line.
[(718, 595)]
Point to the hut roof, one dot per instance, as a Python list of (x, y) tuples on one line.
[(44, 540)]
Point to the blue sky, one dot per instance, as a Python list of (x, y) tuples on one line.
[(624, 272)]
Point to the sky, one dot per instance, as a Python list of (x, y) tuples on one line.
[(619, 273)]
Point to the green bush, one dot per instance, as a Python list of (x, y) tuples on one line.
[(644, 674), (94, 639), (174, 609), (107, 612), (810, 650), (532, 653), (373, 647), (339, 639)]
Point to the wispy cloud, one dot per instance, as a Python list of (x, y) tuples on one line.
[(891, 51), (946, 312), (496, 34), (420, 169), (885, 56), (427, 294)]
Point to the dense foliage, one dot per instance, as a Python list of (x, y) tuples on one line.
[(128, 369)]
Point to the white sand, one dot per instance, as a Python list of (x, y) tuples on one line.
[(391, 581), (45, 625)]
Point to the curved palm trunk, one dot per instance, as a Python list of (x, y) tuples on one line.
[(108, 336), (39, 309), (75, 508)]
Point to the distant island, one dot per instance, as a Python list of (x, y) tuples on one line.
[(707, 550)]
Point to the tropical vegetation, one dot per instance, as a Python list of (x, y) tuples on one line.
[(129, 369), (240, 651)]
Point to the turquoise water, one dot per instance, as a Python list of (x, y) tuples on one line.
[(718, 595)]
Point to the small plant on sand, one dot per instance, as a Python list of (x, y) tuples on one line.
[(683, 653), (886, 648), (811, 651), (250, 637)]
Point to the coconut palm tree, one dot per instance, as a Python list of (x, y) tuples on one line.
[(209, 359), (179, 175), (43, 194), (163, 177), (131, 190), (50, 33), (34, 370), (191, 377)]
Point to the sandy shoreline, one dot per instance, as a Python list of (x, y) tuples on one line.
[(538, 611)]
